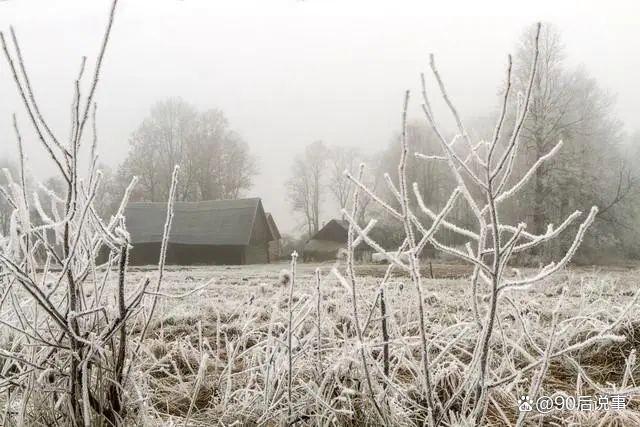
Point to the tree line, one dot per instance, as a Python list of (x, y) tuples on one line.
[(596, 162), (215, 161)]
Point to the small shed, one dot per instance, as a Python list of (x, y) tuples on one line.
[(214, 232), (326, 244)]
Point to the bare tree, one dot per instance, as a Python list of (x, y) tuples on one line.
[(341, 159), (565, 104), (306, 185), (216, 163), (221, 162)]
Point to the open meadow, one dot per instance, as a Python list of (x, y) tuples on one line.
[(219, 355)]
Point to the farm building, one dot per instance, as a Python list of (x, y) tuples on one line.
[(326, 244), (275, 245), (214, 232)]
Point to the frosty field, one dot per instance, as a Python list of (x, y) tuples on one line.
[(219, 355)]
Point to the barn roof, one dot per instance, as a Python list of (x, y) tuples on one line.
[(334, 230), (213, 222)]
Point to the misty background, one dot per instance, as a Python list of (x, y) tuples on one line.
[(288, 73)]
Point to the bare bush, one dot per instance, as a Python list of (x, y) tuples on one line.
[(484, 175), (74, 336)]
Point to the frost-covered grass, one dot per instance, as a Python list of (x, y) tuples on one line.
[(220, 355), (334, 346)]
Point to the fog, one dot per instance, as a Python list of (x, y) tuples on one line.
[(289, 72)]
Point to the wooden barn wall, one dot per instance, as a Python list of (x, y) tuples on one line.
[(256, 253), (178, 254), (275, 250), (260, 232), (321, 250)]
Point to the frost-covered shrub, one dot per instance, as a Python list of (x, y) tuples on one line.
[(484, 174), (77, 323)]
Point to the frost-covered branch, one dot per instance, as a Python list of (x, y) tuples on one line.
[(480, 174)]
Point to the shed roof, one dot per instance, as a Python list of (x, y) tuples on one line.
[(212, 222), (334, 230)]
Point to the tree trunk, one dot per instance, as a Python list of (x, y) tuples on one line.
[(539, 217)]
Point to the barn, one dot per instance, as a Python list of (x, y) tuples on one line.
[(326, 244), (214, 232)]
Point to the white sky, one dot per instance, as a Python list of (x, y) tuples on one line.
[(288, 72)]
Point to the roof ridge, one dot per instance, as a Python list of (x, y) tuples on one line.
[(197, 202)]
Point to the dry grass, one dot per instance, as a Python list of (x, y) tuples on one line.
[(219, 356)]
